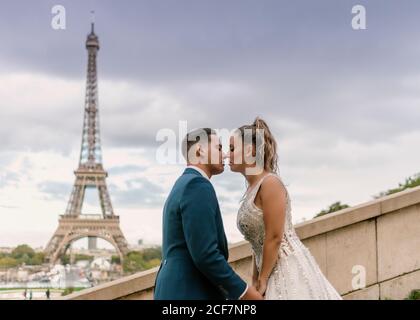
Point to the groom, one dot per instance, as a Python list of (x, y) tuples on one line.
[(195, 252)]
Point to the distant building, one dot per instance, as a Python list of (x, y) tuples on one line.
[(6, 250), (22, 275), (141, 247)]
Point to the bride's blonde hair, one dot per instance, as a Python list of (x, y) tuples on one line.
[(266, 149)]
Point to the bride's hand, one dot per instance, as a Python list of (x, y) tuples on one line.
[(262, 286)]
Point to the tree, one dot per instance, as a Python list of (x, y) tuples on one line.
[(414, 295), (67, 291), (136, 261), (23, 251), (37, 259), (115, 259), (336, 206), (410, 182), (152, 253), (8, 262), (65, 259), (23, 254)]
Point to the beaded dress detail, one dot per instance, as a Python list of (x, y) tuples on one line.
[(296, 274)]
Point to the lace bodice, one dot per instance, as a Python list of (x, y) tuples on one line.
[(296, 274), (251, 224)]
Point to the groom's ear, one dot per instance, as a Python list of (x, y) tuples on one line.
[(197, 149), (194, 154)]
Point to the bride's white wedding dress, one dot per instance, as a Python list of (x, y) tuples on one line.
[(296, 274)]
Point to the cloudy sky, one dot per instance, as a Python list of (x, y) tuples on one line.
[(344, 104)]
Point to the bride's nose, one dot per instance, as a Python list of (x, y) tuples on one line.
[(225, 156)]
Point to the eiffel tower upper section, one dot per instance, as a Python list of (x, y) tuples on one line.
[(90, 173), (91, 153)]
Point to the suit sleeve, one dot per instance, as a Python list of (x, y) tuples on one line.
[(198, 210)]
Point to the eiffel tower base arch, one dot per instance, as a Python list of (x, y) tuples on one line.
[(71, 229)]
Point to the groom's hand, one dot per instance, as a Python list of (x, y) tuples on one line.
[(252, 294)]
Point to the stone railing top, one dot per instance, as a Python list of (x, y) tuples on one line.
[(364, 211), (145, 280)]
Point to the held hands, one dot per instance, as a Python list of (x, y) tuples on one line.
[(252, 294), (260, 283), (261, 286)]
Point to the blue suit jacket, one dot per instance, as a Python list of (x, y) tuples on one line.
[(195, 252)]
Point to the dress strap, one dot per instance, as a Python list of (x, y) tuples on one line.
[(255, 189)]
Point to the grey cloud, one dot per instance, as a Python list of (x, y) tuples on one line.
[(54, 190), (171, 41), (119, 170), (140, 192), (299, 61)]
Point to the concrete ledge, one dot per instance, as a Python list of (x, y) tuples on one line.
[(400, 200), (339, 219), (364, 211), (118, 288)]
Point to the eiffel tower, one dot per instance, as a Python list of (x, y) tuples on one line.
[(74, 225)]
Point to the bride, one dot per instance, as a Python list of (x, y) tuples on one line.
[(283, 268)]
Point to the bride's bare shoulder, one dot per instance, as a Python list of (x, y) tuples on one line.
[(272, 184)]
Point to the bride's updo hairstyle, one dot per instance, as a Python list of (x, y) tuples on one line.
[(265, 145)]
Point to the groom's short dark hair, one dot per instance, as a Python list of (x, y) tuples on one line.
[(194, 136)]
